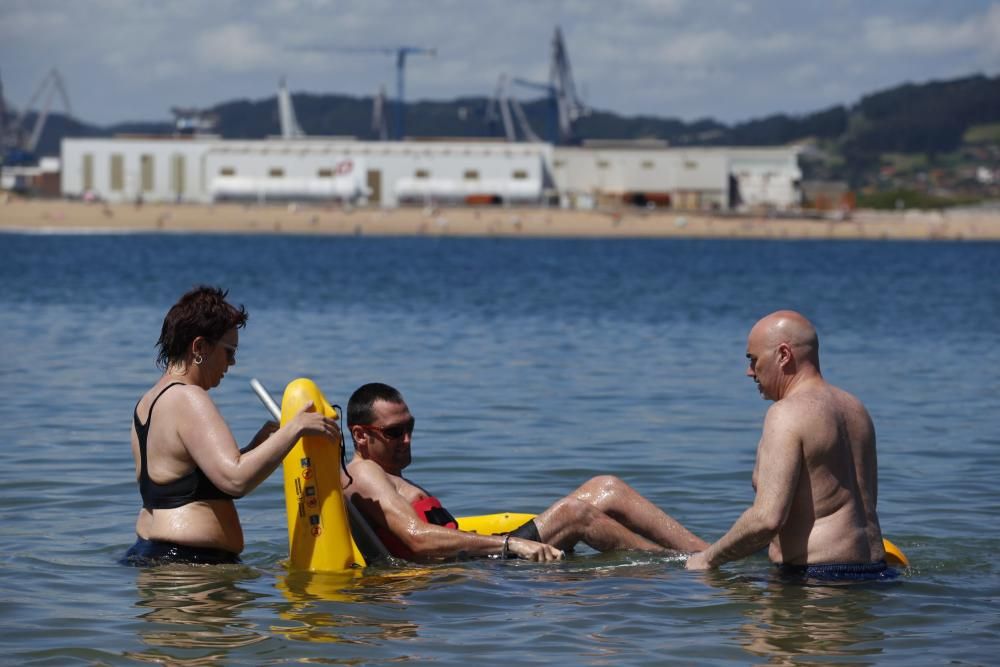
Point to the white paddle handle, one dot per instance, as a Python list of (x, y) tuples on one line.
[(265, 398)]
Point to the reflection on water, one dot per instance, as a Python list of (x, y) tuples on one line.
[(786, 623), (193, 608), (350, 606)]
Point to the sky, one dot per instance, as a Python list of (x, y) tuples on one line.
[(730, 60)]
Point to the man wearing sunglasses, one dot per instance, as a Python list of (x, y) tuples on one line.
[(604, 513)]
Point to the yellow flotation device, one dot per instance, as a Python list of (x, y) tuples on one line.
[(319, 534), (493, 524), (894, 555)]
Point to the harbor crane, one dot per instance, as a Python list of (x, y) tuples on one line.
[(380, 125), (505, 108), (570, 107), (18, 145), (553, 128), (565, 106), (290, 128), (401, 53)]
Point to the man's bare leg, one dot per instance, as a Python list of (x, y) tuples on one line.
[(628, 507), (571, 520)]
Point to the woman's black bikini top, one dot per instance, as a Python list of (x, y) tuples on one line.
[(190, 488)]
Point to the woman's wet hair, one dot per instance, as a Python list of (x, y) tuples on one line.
[(204, 312)]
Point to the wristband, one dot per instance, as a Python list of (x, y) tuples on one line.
[(506, 547)]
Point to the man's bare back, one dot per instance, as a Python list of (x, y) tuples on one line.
[(832, 517)]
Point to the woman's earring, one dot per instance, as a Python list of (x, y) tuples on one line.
[(197, 359)]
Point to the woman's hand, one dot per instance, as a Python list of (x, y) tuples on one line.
[(310, 422)]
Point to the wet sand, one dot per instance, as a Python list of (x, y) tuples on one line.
[(74, 216)]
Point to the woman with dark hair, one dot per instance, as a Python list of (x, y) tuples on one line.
[(187, 462)]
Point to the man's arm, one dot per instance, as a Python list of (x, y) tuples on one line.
[(428, 541), (779, 463)]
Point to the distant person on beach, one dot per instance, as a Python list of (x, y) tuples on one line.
[(187, 463), (605, 513), (816, 475)]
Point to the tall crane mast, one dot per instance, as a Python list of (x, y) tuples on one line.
[(17, 147), (3, 116), (289, 124), (401, 53), (379, 124), (553, 128), (565, 106), (570, 107), (504, 108), (498, 108)]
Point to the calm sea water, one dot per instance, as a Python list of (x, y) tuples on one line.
[(530, 366)]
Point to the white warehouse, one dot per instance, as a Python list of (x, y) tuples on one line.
[(203, 169), (652, 174), (206, 169)]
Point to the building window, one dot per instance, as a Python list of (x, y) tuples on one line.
[(117, 172), (324, 173), (648, 164), (227, 171), (471, 175), (520, 175), (88, 172), (421, 173), (603, 164), (177, 171), (146, 164), (276, 172)]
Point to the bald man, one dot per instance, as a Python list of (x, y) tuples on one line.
[(816, 475)]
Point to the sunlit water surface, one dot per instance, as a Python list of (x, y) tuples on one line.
[(530, 366)]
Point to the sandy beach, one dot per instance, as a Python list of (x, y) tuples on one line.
[(73, 216)]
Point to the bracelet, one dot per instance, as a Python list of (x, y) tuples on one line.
[(506, 547)]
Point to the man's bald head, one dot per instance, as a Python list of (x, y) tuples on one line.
[(791, 328), (782, 349)]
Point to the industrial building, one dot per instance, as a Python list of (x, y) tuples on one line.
[(204, 169), (646, 173)]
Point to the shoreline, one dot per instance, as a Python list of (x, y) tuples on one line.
[(66, 216)]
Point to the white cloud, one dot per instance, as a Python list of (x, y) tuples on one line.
[(893, 36), (29, 20), (990, 27), (698, 48), (234, 47), (656, 7)]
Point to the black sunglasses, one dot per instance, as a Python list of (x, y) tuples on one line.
[(394, 432)]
